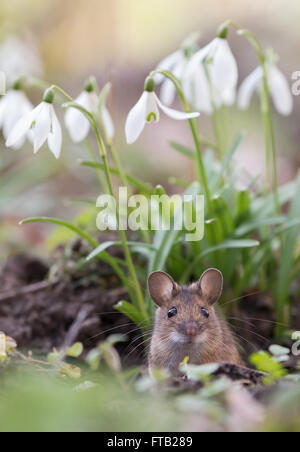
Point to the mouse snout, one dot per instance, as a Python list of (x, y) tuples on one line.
[(190, 329)]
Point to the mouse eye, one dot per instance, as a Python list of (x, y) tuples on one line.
[(205, 312), (172, 312)]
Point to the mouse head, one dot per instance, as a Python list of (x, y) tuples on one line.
[(185, 312)]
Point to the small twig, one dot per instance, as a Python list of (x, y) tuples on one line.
[(75, 328), (26, 290), (29, 359)]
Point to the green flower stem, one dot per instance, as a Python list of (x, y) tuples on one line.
[(104, 256), (266, 110), (270, 142), (90, 151), (128, 257), (215, 116), (110, 145), (201, 168), (91, 118), (117, 161), (192, 122)]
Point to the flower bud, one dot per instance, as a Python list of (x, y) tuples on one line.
[(149, 84), (223, 31), (48, 96), (17, 85), (89, 86)]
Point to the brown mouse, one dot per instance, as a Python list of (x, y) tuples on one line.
[(186, 323)]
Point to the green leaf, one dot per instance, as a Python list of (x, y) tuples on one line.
[(227, 160), (141, 186), (289, 242), (105, 256), (251, 226), (264, 362), (243, 205), (183, 149), (58, 222), (114, 339), (103, 96), (130, 311), (75, 351), (104, 246), (228, 244)]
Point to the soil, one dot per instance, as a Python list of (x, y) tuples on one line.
[(39, 313), (40, 305)]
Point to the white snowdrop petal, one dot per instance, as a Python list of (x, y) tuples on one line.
[(152, 112), (197, 91), (3, 102), (136, 121), (228, 97), (248, 87), (17, 105), (108, 122), (167, 64), (77, 124), (22, 126), (167, 92), (55, 136), (280, 91), (42, 126), (93, 102), (174, 114), (196, 60), (224, 66)]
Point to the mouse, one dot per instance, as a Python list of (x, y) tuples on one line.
[(188, 325)]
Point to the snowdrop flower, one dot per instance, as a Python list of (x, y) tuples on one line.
[(176, 63), (146, 111), (78, 125), (19, 58), (43, 123), (278, 85), (13, 106), (222, 71)]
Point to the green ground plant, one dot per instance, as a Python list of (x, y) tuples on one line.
[(247, 235)]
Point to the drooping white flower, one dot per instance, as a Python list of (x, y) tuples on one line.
[(222, 72), (44, 125), (13, 106), (176, 63), (278, 85), (78, 125), (147, 111), (19, 57)]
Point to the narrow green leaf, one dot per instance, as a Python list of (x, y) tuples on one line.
[(143, 187), (105, 256), (130, 311), (289, 242), (104, 246)]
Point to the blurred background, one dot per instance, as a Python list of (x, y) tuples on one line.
[(121, 41)]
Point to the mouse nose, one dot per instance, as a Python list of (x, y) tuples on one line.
[(191, 329)]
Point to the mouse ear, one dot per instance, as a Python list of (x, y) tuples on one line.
[(162, 287), (211, 285)]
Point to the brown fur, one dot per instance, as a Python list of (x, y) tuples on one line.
[(213, 341)]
